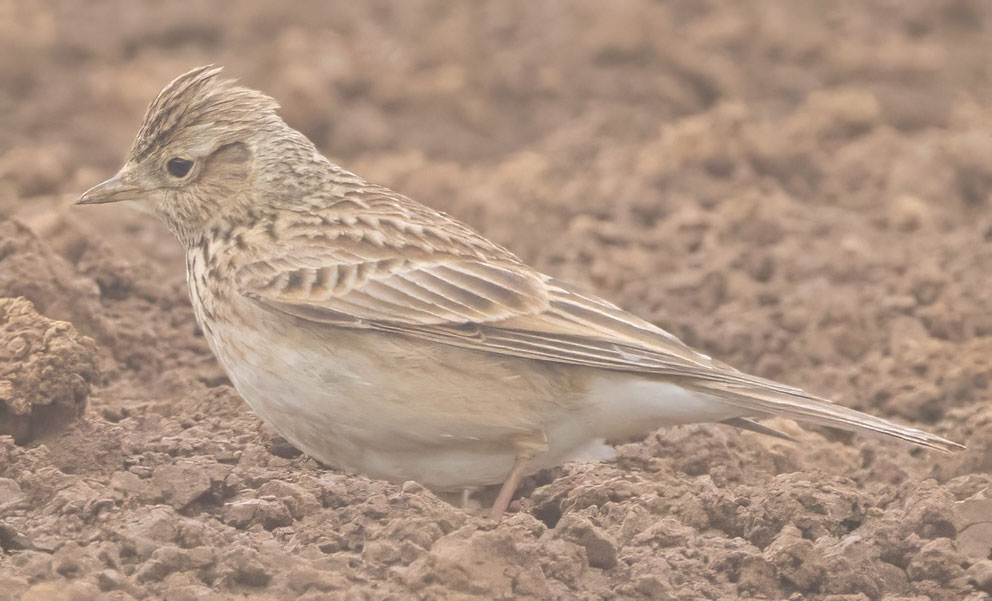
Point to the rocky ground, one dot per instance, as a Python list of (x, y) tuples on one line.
[(801, 189)]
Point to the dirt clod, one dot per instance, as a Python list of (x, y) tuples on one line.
[(46, 369)]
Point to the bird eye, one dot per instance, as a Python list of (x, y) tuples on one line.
[(179, 167)]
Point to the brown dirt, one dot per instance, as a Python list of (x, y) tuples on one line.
[(802, 189), (45, 372)]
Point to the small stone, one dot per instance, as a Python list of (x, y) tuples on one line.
[(796, 559), (130, 484), (181, 483), (242, 565), (300, 502), (973, 520), (162, 562), (975, 510), (412, 488), (980, 575), (600, 548), (532, 582), (10, 492), (975, 541), (148, 533), (653, 587), (270, 512), (13, 539), (109, 580), (937, 560), (280, 447)]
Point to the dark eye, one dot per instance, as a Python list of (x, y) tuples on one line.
[(179, 167)]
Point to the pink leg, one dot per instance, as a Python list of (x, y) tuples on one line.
[(509, 487)]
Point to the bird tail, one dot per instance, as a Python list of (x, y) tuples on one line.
[(793, 403)]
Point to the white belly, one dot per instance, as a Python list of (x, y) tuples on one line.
[(396, 409)]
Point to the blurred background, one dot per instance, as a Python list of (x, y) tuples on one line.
[(801, 189)]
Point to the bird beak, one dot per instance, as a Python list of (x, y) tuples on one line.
[(115, 189)]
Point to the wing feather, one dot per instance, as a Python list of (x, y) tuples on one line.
[(398, 271)]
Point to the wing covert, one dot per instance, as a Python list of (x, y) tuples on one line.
[(388, 268)]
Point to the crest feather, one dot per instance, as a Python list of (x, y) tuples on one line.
[(198, 97)]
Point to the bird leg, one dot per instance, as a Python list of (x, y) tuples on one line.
[(509, 487), (527, 447)]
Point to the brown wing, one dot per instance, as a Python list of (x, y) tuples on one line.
[(399, 272), (422, 275), (398, 291)]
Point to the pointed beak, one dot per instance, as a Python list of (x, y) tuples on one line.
[(115, 189)]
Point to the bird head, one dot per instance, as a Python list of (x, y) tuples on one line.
[(200, 154)]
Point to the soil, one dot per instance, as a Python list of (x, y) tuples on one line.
[(801, 189)]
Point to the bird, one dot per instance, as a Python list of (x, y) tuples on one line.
[(382, 337)]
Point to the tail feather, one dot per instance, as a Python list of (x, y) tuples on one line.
[(752, 426), (798, 405)]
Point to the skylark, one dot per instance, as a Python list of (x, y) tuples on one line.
[(383, 337)]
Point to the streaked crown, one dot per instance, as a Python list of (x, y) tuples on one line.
[(197, 98)]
